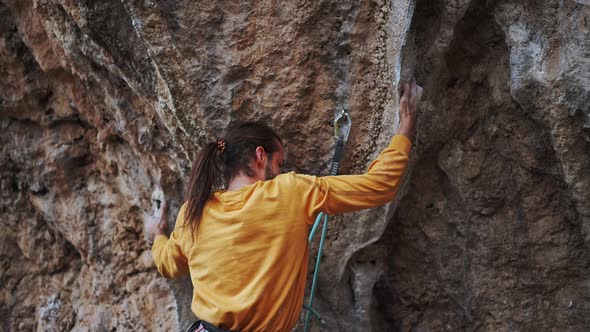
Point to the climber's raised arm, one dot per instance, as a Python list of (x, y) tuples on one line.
[(378, 185)]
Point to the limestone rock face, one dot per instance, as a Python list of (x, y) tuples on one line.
[(103, 105)]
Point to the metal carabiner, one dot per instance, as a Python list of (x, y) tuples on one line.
[(346, 130)]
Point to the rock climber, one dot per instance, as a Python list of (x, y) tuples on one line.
[(246, 247)]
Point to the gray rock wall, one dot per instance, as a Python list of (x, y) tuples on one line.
[(103, 105)]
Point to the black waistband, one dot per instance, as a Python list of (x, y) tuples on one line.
[(211, 328)]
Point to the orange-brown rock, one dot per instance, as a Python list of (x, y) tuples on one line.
[(103, 105)]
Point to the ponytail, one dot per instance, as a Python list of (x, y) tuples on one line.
[(204, 178), (217, 163)]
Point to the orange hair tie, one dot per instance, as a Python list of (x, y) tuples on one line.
[(221, 146)]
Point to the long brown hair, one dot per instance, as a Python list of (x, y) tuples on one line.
[(215, 166)]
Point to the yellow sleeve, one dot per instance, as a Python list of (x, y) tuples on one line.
[(167, 252), (348, 193)]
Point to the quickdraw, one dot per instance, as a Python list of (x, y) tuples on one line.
[(342, 126)]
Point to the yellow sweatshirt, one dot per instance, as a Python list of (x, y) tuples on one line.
[(248, 262)]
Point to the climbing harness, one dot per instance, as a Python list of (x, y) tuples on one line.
[(342, 126)]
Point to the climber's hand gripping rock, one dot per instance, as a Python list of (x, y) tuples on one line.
[(408, 107), (156, 224)]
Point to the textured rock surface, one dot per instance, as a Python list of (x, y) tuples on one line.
[(103, 105)]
